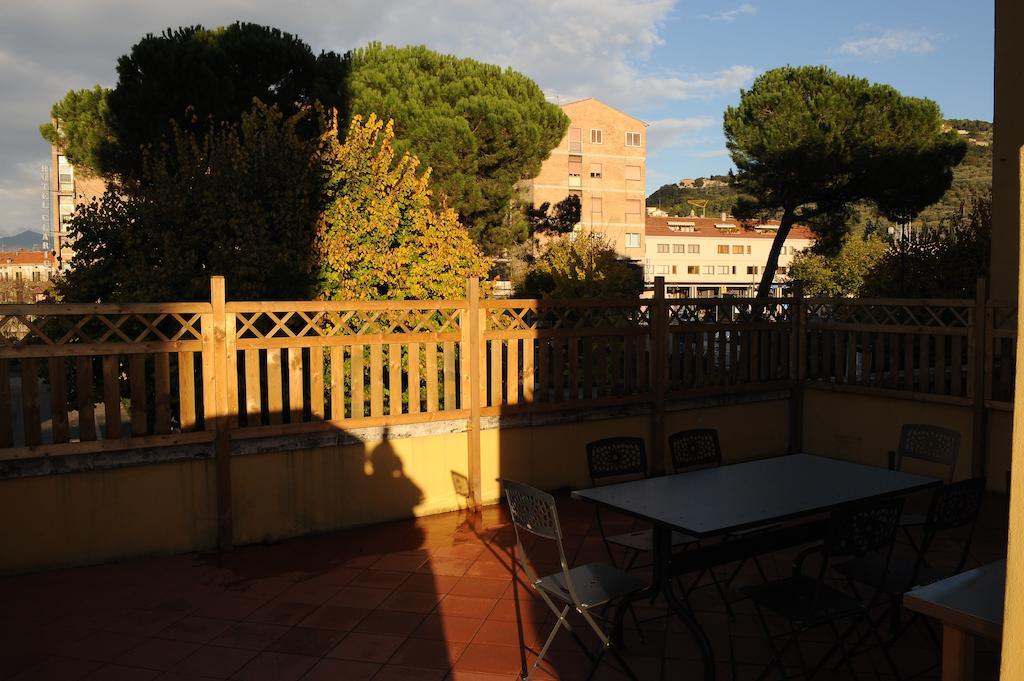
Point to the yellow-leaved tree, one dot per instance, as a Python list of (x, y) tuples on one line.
[(378, 237)]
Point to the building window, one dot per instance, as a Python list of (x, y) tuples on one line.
[(693, 269), (679, 248), (662, 248), (596, 204), (748, 250), (661, 269), (782, 270), (632, 240), (35, 276), (595, 170), (575, 140), (633, 173), (673, 269), (783, 251), (723, 269), (693, 248), (595, 136), (17, 276), (723, 249), (753, 269), (737, 250), (708, 269), (632, 139), (632, 206), (575, 170)]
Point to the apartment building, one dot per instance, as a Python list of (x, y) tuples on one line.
[(716, 256), (68, 189), (24, 275), (602, 159)]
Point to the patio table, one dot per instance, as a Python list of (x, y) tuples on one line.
[(968, 604), (717, 502)]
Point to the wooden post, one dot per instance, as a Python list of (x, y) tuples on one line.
[(797, 369), (215, 398), (659, 375), (982, 347), (472, 385)]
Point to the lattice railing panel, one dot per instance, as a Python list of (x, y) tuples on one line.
[(918, 314), (318, 323), (545, 317), (19, 329), (730, 311)]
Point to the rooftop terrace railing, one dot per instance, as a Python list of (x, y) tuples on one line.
[(80, 379)]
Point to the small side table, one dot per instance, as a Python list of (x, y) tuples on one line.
[(968, 605)]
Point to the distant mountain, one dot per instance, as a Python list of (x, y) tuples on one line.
[(27, 240)]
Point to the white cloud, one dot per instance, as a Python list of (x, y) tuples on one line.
[(730, 15), (713, 153), (671, 132), (889, 42)]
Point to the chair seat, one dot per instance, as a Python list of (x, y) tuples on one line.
[(642, 541), (595, 584), (803, 601), (896, 578)]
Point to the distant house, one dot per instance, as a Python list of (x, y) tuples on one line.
[(716, 256), (24, 275)]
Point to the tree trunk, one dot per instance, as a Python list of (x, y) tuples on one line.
[(764, 290)]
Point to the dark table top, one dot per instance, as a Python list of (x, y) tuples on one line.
[(971, 601), (725, 499)]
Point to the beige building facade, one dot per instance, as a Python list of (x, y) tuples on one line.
[(602, 159), (68, 189), (710, 257)]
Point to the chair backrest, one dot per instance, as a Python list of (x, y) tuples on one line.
[(932, 444), (694, 448), (616, 459), (865, 528), (954, 506)]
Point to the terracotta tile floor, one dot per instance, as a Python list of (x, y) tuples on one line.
[(426, 599)]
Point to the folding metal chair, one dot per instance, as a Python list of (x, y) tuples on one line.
[(581, 589), (809, 602), (622, 459), (925, 444)]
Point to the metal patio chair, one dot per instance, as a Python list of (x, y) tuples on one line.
[(623, 459), (809, 602), (582, 589), (954, 506), (926, 444)]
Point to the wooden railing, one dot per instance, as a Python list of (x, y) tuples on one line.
[(80, 379)]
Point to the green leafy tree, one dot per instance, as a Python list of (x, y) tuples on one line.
[(193, 74), (581, 266), (845, 273), (807, 142), (481, 128), (561, 218), (943, 262), (81, 127), (240, 200), (379, 237)]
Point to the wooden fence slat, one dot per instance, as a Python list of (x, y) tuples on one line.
[(512, 377), (543, 369), (359, 380), (58, 400), (414, 378), (924, 383), (86, 407), (699, 354), (275, 386), (940, 365), (529, 378), (162, 393), (496, 369), (908, 362), (866, 357), (395, 388), (337, 382), (186, 391), (573, 364), (6, 408), (558, 369), (296, 396), (253, 403), (587, 346), (376, 381), (137, 387), (956, 365), (316, 383), (111, 397), (450, 378), (30, 401), (433, 379)]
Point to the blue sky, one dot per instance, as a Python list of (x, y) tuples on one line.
[(674, 63), (938, 49)]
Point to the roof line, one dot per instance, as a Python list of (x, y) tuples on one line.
[(584, 99)]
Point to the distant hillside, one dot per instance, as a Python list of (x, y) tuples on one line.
[(972, 176), (27, 240)]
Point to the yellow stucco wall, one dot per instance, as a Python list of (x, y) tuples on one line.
[(94, 517), (864, 428)]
